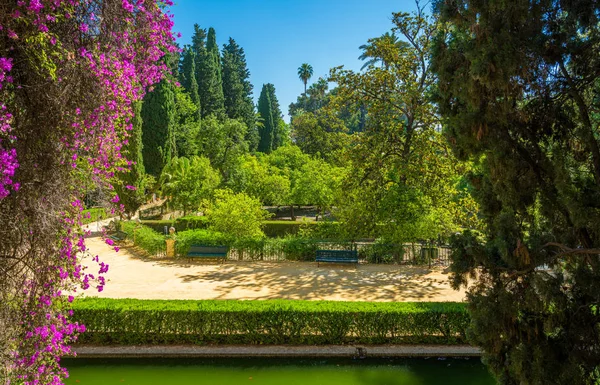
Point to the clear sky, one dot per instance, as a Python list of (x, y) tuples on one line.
[(279, 35)]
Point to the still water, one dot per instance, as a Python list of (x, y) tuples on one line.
[(277, 371)]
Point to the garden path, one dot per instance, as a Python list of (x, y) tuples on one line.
[(130, 276)]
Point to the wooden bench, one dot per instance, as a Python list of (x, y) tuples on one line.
[(118, 236), (337, 256), (201, 251)]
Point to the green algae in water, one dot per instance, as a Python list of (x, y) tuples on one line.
[(277, 371)]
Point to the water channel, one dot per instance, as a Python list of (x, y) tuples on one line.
[(277, 371)]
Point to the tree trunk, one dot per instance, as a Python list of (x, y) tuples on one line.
[(292, 212)]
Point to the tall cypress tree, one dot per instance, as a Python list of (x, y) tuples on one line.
[(278, 123), (265, 143), (187, 75), (210, 83), (130, 184), (237, 89), (158, 115)]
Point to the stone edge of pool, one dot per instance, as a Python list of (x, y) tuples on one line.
[(278, 351)]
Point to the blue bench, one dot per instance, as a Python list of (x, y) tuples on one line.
[(118, 236), (208, 252), (337, 256)]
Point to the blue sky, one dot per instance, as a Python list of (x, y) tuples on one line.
[(279, 35)]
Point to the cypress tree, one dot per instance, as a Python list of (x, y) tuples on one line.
[(158, 115), (518, 90), (237, 90), (210, 83), (188, 75), (130, 185), (278, 123), (265, 143)]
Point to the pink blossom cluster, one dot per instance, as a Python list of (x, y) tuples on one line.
[(123, 62)]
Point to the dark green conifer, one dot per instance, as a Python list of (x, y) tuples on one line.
[(267, 128), (158, 115)]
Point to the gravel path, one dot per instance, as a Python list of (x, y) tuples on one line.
[(132, 277)]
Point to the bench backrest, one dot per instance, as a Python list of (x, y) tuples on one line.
[(337, 254), (200, 249)]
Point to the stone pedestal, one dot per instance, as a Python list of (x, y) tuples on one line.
[(170, 248)]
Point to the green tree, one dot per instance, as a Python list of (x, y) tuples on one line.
[(259, 179), (238, 215), (280, 129), (130, 183), (158, 116), (187, 124), (305, 72), (266, 131), (320, 135), (237, 89), (187, 182), (187, 76), (372, 50), (223, 142), (316, 183), (518, 89), (402, 171), (210, 85)]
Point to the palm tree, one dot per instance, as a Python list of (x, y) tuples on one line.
[(372, 50), (305, 72)]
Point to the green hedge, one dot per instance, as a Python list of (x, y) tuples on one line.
[(93, 215), (131, 322), (144, 237)]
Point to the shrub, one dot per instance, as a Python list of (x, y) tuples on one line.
[(191, 223), (199, 237), (144, 237), (237, 215), (93, 215), (158, 225), (133, 322)]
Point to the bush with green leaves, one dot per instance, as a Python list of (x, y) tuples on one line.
[(136, 322), (186, 182), (144, 237), (236, 214)]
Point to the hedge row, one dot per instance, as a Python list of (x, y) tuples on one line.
[(130, 321), (144, 237), (93, 215), (272, 229)]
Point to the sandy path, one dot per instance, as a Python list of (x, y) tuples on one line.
[(132, 277)]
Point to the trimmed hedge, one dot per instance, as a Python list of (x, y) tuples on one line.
[(144, 237), (132, 321), (93, 215)]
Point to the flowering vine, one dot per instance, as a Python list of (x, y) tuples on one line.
[(69, 73)]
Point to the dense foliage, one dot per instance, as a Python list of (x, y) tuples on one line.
[(135, 322), (519, 86)]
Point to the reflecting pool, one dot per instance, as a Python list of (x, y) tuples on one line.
[(277, 371)]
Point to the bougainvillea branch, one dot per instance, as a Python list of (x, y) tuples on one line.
[(69, 73)]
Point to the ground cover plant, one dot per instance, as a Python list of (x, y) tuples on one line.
[(133, 322)]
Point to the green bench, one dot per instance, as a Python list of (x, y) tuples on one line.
[(337, 256), (118, 236), (208, 252)]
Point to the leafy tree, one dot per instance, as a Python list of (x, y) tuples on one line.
[(210, 85), (223, 143), (259, 179), (305, 72), (518, 88), (313, 100), (187, 124), (158, 116), (316, 183), (187, 76), (266, 131), (186, 182), (238, 215), (320, 135), (400, 157), (130, 185)]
